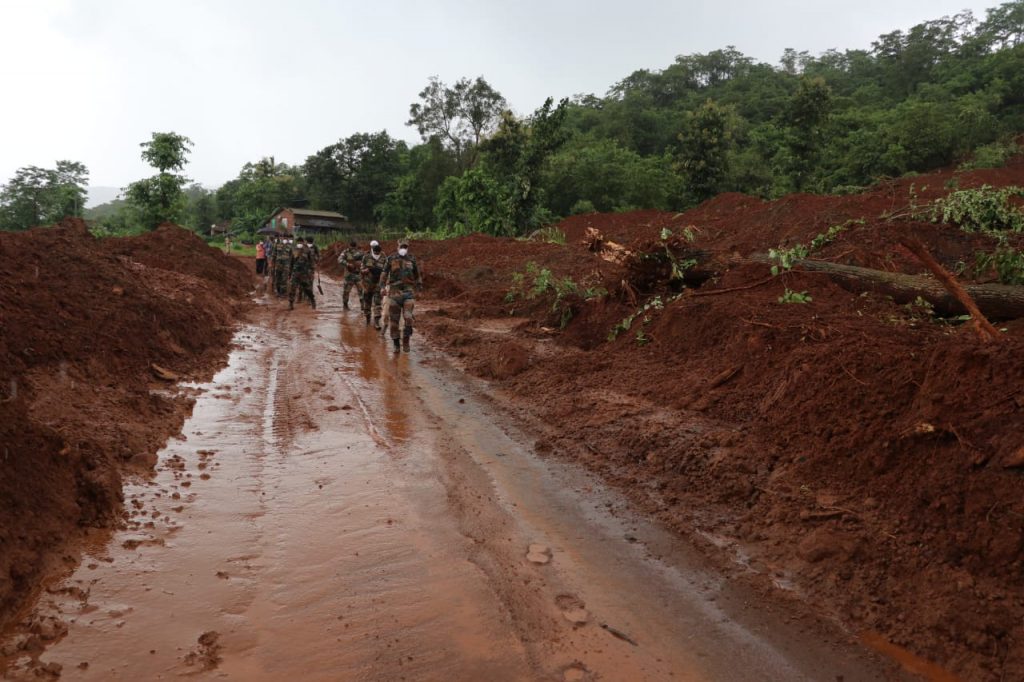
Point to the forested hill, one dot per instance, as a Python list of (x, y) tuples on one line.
[(947, 91)]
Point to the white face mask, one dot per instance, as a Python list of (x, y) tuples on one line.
[(301, 246), (402, 252)]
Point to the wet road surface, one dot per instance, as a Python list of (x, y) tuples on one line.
[(333, 511)]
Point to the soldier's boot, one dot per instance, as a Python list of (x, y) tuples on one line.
[(291, 304), (312, 301), (405, 343), (367, 319), (398, 345), (376, 321)]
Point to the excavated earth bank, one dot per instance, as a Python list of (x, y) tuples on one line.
[(93, 335)]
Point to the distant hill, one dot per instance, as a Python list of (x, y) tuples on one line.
[(103, 210), (101, 195)]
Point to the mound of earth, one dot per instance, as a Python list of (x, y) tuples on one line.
[(854, 452), (88, 325)]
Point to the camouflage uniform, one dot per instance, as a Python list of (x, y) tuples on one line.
[(302, 265), (402, 277), (372, 270), (282, 260), (272, 263), (352, 259)]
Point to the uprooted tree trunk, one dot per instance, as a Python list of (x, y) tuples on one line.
[(994, 301), (997, 301)]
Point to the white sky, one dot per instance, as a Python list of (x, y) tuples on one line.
[(88, 80)]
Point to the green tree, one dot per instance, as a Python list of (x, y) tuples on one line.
[(411, 203), (460, 115), (260, 188), (473, 202), (1003, 26), (805, 120), (41, 196), (202, 208), (355, 175), (705, 144), (161, 198), (516, 155), (609, 177)]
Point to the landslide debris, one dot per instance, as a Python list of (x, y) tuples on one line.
[(860, 451), (82, 323)]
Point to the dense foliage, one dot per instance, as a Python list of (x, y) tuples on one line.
[(947, 91), (40, 196)]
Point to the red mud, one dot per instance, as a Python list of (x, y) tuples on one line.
[(83, 320), (860, 454)]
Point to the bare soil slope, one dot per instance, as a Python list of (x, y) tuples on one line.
[(83, 322)]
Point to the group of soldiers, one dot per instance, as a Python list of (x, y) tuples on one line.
[(291, 264), (378, 277)]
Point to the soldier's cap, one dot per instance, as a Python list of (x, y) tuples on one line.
[(403, 242), (374, 242)]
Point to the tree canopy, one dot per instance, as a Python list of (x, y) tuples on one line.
[(946, 91)]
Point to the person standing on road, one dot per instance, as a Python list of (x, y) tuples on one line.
[(301, 275), (274, 261), (261, 258), (283, 273), (372, 269), (402, 277), (352, 259)]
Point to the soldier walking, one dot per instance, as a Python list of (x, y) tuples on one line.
[(301, 280), (372, 269), (352, 259), (402, 277), (274, 262)]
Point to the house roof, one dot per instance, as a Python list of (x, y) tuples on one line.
[(313, 214)]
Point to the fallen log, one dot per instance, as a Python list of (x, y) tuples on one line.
[(996, 301)]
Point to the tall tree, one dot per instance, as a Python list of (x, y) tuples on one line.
[(805, 120), (459, 115), (504, 196), (161, 198), (705, 143)]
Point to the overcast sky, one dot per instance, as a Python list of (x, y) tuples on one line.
[(87, 80)]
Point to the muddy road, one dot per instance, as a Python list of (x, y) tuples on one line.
[(333, 511)]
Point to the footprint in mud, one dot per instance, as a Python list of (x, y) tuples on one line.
[(538, 554), (206, 656), (577, 672), (573, 609)]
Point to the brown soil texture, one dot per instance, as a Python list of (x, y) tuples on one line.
[(851, 452), (83, 322)]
